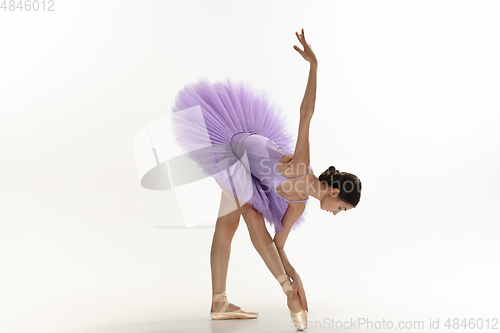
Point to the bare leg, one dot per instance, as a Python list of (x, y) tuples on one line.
[(266, 248), (262, 241), (221, 247), (225, 229), (259, 235)]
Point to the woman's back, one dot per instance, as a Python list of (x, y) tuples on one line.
[(261, 157)]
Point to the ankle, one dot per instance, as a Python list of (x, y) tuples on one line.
[(283, 278), (285, 283), (219, 297), (217, 293)]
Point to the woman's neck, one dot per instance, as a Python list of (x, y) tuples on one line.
[(315, 188)]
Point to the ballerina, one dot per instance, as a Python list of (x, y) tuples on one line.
[(282, 179)]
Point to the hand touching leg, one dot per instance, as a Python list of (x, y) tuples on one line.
[(266, 248)]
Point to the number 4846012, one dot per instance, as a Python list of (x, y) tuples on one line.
[(471, 323), (27, 5)]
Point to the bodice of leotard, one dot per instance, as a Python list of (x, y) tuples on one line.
[(261, 156)]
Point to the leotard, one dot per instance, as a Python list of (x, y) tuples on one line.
[(263, 156)]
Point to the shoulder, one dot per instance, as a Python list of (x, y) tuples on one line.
[(296, 168), (290, 167), (297, 208)]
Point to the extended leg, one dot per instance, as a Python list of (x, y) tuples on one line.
[(261, 240), (259, 235), (266, 247)]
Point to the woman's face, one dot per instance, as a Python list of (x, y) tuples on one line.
[(333, 204)]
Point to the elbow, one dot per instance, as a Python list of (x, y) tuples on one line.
[(306, 112)]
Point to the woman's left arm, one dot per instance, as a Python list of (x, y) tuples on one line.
[(298, 288), (290, 271), (291, 216)]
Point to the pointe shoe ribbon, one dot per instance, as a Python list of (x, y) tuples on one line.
[(236, 314), (299, 319)]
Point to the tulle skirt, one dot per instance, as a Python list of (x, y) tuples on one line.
[(205, 117)]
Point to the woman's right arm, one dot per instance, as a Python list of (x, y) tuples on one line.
[(307, 106), (301, 153), (309, 100)]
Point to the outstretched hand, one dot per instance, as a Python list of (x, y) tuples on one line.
[(307, 53)]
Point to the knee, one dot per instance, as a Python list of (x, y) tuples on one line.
[(254, 219), (227, 224)]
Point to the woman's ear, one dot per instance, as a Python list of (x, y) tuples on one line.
[(334, 192)]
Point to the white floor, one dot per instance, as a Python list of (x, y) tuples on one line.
[(157, 279)]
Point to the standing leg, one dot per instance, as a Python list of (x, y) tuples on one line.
[(225, 229)]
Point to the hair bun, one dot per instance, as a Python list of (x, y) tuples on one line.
[(333, 172)]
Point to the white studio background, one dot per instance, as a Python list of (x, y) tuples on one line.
[(407, 99)]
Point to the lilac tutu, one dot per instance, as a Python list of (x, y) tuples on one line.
[(204, 119)]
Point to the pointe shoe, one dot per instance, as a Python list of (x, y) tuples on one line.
[(236, 314), (299, 319)]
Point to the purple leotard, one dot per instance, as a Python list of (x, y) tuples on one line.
[(263, 157)]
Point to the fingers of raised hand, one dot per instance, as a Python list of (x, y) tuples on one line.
[(301, 37), (298, 37)]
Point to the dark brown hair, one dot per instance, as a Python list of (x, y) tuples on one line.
[(348, 184)]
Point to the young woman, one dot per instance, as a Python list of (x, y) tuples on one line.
[(239, 138)]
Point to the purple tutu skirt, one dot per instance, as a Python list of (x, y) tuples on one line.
[(206, 116)]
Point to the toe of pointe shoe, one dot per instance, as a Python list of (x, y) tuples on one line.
[(299, 319), (250, 313), (237, 314)]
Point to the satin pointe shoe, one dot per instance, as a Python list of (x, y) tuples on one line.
[(236, 314), (299, 319)]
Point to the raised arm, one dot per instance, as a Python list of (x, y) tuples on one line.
[(301, 155), (307, 106), (309, 100)]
